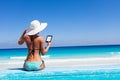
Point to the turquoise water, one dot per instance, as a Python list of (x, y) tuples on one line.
[(67, 52), (78, 73), (107, 72)]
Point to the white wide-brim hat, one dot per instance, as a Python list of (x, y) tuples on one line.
[(36, 27)]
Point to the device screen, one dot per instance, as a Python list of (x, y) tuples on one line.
[(49, 38)]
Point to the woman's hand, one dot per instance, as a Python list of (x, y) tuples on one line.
[(25, 31), (49, 43)]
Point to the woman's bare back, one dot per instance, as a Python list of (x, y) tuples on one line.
[(33, 43)]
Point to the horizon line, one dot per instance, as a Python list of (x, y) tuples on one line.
[(99, 45)]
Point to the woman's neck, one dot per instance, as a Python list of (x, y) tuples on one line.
[(34, 36)]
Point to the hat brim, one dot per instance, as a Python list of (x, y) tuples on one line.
[(37, 30)]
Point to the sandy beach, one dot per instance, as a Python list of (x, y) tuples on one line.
[(65, 62)]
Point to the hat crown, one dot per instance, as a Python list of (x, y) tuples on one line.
[(34, 24)]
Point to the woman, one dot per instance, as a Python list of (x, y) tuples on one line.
[(35, 45)]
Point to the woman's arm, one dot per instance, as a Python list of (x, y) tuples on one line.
[(43, 49), (21, 40)]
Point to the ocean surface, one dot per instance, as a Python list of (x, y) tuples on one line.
[(66, 52), (105, 72)]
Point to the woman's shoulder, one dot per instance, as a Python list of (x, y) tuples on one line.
[(41, 38)]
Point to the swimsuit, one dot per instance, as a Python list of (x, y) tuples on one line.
[(30, 66)]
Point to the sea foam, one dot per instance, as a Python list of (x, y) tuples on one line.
[(24, 57)]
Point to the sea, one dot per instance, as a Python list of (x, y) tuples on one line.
[(101, 72)]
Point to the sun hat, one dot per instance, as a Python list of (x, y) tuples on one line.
[(36, 27)]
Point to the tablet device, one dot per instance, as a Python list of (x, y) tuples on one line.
[(49, 38)]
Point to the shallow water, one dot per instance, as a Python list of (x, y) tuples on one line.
[(64, 73)]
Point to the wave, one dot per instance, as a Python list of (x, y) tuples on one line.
[(115, 54), (24, 57)]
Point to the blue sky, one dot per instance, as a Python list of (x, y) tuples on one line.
[(71, 22)]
